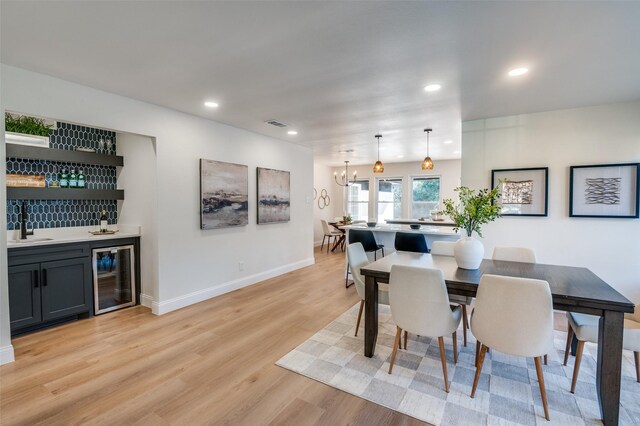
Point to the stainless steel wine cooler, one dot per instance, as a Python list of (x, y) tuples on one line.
[(113, 278)]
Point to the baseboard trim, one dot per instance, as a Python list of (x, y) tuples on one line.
[(160, 308), (146, 300), (6, 355)]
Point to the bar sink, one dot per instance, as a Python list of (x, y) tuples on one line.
[(32, 240)]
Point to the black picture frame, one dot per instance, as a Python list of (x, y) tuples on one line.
[(608, 197), (519, 209)]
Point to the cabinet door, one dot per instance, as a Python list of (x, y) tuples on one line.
[(24, 296), (66, 287)]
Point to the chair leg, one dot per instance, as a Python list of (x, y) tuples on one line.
[(476, 379), (543, 391), (465, 325), (477, 351), (455, 347), (328, 244), (566, 349), (444, 364), (346, 277), (406, 337), (323, 238), (396, 343), (545, 360), (576, 367), (636, 355), (359, 317)]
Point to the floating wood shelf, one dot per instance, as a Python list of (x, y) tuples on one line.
[(63, 155), (64, 194)]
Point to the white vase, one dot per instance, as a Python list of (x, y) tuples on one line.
[(468, 252)]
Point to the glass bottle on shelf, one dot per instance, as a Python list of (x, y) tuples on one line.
[(64, 178), (103, 221), (73, 178), (81, 180)]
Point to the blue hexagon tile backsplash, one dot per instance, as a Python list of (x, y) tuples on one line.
[(65, 213)]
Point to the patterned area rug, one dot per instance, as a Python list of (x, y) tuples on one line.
[(507, 393)]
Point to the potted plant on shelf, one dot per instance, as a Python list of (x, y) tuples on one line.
[(474, 209), (26, 130)]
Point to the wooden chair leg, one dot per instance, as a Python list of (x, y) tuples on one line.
[(576, 367), (455, 347), (396, 343), (444, 364), (636, 355), (545, 360), (465, 325), (477, 352), (406, 337), (479, 362), (359, 316), (566, 349), (543, 391)]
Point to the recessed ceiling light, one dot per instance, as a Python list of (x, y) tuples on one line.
[(210, 104), (518, 71), (400, 156), (447, 142), (432, 87), (292, 132), (456, 152)]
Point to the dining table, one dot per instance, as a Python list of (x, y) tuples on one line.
[(339, 242), (573, 289)]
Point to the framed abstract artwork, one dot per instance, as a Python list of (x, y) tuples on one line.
[(604, 190), (274, 199), (224, 194), (523, 192)]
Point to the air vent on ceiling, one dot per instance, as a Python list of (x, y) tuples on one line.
[(275, 123)]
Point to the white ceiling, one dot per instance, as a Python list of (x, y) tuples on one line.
[(338, 72)]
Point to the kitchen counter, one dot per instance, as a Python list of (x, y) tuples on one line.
[(427, 222), (74, 234)]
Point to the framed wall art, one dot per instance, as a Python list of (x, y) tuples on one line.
[(523, 192), (224, 194), (274, 203), (604, 190)]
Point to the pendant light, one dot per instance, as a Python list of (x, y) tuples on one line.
[(378, 167), (427, 163), (344, 177)]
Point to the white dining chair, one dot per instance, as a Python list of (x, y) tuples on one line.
[(445, 248), (420, 304), (357, 259), (585, 328), (514, 254), (328, 233), (500, 323)]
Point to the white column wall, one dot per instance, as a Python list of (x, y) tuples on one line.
[(559, 139)]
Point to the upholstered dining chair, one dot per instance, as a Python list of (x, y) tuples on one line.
[(328, 233), (585, 328), (514, 254), (407, 241), (445, 248), (499, 322), (357, 258), (420, 304), (369, 243)]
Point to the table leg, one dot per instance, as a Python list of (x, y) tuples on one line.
[(370, 315), (338, 243), (608, 373)]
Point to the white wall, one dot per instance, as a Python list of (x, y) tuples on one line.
[(559, 139), (448, 170), (323, 179), (192, 264), (139, 179)]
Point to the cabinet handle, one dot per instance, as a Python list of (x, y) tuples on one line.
[(35, 279), (44, 278)]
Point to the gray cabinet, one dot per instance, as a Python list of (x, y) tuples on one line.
[(64, 287), (24, 296)]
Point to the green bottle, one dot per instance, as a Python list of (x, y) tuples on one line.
[(64, 178), (81, 181), (73, 178)]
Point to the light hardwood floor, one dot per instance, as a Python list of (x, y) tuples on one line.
[(211, 363)]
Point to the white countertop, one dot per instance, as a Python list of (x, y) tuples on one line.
[(76, 234), (424, 229)]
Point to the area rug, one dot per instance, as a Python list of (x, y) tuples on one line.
[(507, 393)]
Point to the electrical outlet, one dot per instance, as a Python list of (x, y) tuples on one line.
[(240, 266)]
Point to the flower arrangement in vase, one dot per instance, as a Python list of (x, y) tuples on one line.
[(473, 209)]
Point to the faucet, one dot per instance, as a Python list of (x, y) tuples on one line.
[(23, 222)]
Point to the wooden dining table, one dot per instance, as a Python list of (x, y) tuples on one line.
[(573, 289), (339, 242)]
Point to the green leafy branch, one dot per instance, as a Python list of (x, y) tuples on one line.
[(475, 209), (26, 125)]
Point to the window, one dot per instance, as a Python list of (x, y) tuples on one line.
[(389, 199), (425, 195), (358, 200)]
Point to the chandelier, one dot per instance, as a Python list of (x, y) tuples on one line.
[(344, 176)]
